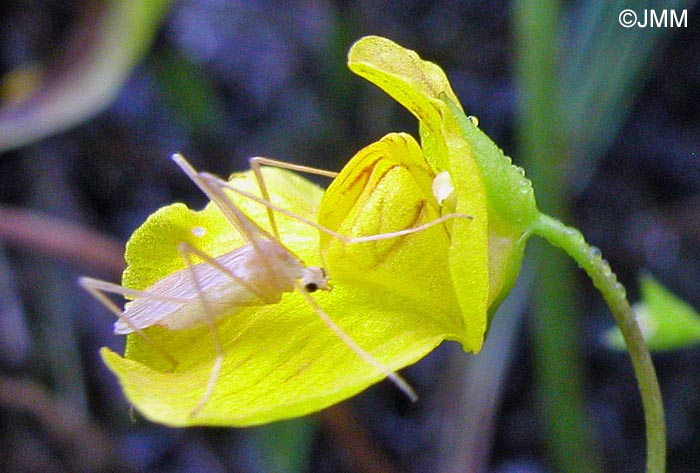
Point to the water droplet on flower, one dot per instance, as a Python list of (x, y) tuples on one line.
[(199, 231), (474, 120)]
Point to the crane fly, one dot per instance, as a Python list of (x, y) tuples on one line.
[(259, 272)]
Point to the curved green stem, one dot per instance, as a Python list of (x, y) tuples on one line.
[(590, 260)]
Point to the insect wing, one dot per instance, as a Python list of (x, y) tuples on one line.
[(177, 302)]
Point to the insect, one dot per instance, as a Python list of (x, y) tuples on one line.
[(259, 272)]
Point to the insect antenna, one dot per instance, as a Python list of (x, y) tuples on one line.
[(255, 165), (362, 239)]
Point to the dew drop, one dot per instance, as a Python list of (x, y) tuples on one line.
[(199, 231), (474, 120), (620, 289)]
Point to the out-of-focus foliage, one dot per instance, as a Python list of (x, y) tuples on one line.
[(40, 101), (274, 83), (667, 321)]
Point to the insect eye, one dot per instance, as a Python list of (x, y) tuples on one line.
[(311, 287)]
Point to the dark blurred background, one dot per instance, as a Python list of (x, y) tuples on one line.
[(95, 102)]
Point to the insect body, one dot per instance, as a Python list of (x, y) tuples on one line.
[(257, 273), (248, 276)]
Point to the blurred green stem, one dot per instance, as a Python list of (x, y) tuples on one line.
[(555, 334), (286, 445), (591, 261), (545, 150), (558, 366)]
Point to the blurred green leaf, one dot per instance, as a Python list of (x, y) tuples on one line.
[(286, 445), (543, 151), (112, 43), (668, 322), (578, 83), (190, 91), (602, 71)]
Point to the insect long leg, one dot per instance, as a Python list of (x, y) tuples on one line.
[(393, 376), (248, 229), (214, 180), (213, 186), (255, 165), (187, 253), (98, 290)]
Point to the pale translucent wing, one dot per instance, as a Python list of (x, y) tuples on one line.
[(223, 292)]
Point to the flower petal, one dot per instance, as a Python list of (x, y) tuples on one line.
[(452, 142), (387, 187), (414, 83), (280, 360)]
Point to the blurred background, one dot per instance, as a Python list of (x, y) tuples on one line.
[(96, 95)]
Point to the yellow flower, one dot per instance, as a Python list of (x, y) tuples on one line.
[(452, 142), (397, 298)]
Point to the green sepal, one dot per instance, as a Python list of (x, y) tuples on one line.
[(452, 142)]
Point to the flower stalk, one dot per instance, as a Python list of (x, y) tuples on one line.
[(597, 268)]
